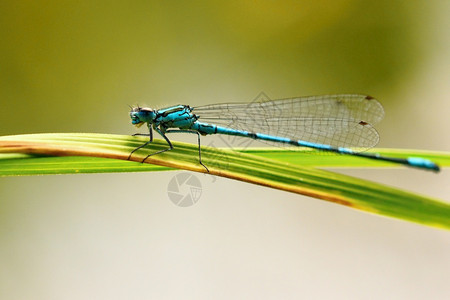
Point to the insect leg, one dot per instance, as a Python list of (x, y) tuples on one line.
[(164, 150), (199, 149), (150, 134)]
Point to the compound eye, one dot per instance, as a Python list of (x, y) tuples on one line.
[(134, 118)]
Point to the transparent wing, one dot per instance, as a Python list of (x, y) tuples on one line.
[(337, 120)]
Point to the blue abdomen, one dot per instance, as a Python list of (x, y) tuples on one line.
[(205, 128)]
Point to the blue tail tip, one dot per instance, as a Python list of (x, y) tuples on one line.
[(423, 163)]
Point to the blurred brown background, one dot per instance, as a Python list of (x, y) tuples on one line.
[(74, 66)]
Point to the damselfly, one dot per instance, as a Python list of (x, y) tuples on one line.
[(330, 123)]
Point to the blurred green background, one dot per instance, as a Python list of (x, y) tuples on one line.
[(74, 66)]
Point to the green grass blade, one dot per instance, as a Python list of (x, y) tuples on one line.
[(307, 157), (63, 153), (30, 164)]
